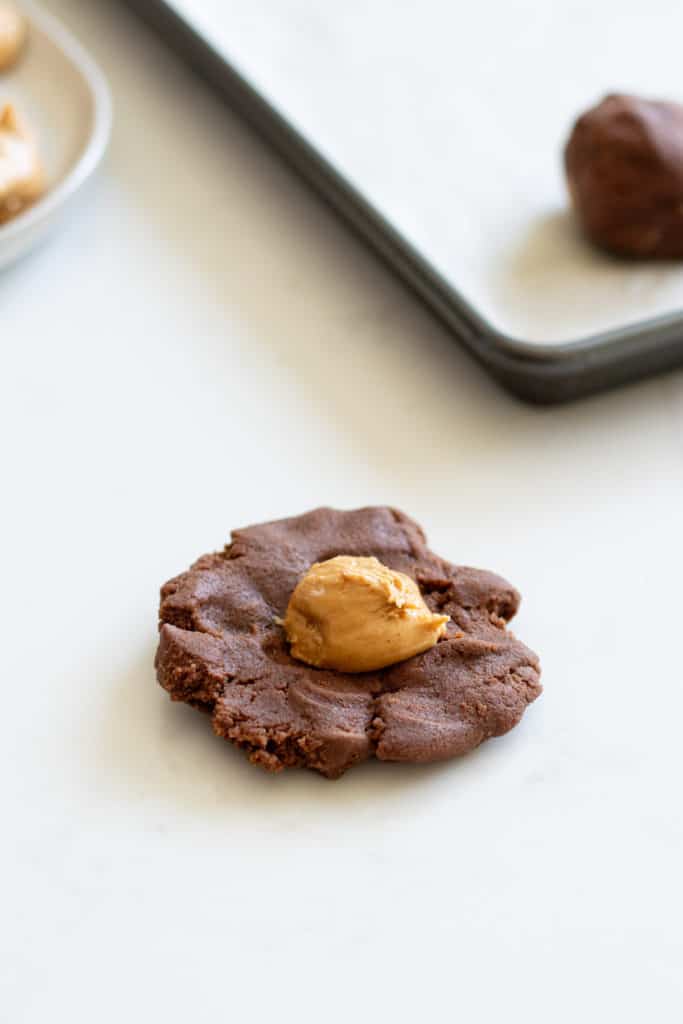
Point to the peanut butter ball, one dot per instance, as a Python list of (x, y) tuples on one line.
[(356, 615), (21, 174), (12, 35), (624, 165)]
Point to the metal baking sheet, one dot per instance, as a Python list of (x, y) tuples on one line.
[(449, 121)]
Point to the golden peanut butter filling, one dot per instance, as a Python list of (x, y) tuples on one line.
[(356, 615), (12, 35), (21, 173)]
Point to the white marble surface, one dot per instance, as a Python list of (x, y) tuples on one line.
[(203, 346)]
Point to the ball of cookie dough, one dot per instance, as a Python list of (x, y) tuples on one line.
[(12, 35), (624, 165)]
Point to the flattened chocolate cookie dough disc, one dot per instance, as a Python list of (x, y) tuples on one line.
[(223, 650)]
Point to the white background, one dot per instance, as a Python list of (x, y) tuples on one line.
[(203, 346)]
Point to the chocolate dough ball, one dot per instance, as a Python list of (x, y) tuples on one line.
[(624, 164)]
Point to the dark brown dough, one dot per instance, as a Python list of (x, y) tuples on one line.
[(624, 164), (221, 649)]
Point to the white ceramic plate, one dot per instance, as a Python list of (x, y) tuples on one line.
[(64, 95)]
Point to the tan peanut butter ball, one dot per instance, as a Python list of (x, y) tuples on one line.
[(21, 174), (356, 615), (12, 35)]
